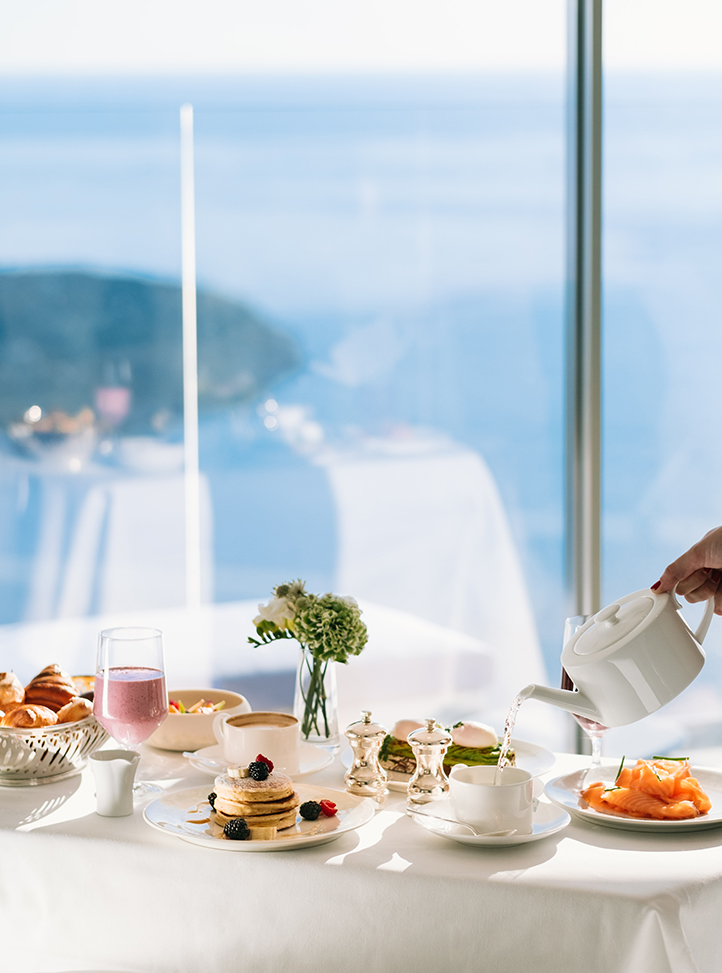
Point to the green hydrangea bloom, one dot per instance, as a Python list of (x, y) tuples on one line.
[(330, 627)]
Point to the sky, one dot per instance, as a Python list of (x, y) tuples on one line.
[(318, 36)]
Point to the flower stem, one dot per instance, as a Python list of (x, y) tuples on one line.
[(314, 697)]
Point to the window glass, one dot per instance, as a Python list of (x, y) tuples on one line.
[(662, 307), (380, 270), (405, 237), (90, 359)]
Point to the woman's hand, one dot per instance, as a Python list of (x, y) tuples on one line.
[(697, 573)]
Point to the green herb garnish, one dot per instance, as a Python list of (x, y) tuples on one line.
[(620, 769), (670, 758)]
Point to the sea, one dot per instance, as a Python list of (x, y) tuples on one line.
[(408, 234)]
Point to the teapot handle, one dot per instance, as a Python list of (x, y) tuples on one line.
[(703, 626)]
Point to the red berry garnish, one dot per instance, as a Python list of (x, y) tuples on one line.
[(328, 808), (265, 760)]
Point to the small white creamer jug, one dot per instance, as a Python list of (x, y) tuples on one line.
[(114, 773)]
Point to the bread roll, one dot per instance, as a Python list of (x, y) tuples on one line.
[(76, 709), (52, 688), (11, 689), (29, 717)]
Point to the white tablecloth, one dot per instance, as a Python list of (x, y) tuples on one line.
[(82, 892)]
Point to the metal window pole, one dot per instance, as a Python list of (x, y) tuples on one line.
[(583, 309)]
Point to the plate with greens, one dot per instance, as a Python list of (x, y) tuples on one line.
[(529, 756)]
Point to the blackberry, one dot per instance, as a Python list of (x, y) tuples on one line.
[(258, 770), (310, 810), (212, 799), (236, 830)]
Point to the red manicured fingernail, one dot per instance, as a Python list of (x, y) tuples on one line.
[(655, 586)]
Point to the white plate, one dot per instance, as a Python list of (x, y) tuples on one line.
[(564, 791), (187, 815), (529, 757), (210, 760), (546, 820)]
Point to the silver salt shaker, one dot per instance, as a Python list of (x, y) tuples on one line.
[(366, 777), (428, 782)]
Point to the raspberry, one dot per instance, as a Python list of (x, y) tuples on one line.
[(212, 799), (328, 808), (236, 830), (267, 761), (310, 810), (258, 770)]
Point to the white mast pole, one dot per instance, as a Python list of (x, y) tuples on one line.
[(190, 365)]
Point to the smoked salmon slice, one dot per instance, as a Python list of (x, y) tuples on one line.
[(663, 790)]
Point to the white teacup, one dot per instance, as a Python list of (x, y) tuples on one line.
[(244, 736), (487, 806)]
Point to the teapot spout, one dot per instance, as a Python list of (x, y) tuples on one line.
[(572, 702)]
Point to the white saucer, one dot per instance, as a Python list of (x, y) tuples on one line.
[(210, 760), (547, 819)]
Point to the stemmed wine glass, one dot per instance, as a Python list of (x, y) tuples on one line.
[(130, 698), (595, 731)]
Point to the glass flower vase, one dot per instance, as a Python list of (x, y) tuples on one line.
[(316, 702)]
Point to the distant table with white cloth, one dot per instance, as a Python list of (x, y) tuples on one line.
[(101, 539), (78, 891), (422, 528)]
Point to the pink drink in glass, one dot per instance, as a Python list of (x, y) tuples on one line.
[(135, 704), (590, 726)]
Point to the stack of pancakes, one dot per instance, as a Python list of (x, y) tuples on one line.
[(262, 803)]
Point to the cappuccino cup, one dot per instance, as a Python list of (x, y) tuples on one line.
[(245, 735), (488, 806)]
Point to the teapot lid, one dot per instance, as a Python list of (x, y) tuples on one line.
[(615, 623)]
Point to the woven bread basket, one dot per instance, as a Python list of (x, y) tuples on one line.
[(49, 753)]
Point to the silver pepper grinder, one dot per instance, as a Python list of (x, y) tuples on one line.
[(429, 782), (366, 777)]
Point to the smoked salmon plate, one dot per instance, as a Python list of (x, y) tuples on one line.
[(660, 789), (656, 795)]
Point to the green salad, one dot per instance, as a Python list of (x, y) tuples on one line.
[(398, 751)]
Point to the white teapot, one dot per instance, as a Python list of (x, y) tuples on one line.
[(629, 659)]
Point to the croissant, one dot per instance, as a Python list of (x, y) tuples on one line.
[(76, 709), (29, 717), (52, 688), (11, 689)]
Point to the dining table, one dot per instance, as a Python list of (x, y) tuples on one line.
[(83, 892)]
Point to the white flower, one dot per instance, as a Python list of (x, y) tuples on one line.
[(278, 611)]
